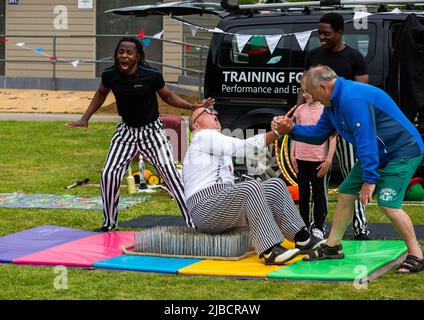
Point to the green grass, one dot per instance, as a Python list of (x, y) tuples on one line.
[(44, 157)]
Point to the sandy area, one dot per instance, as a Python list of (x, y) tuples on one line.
[(48, 101)]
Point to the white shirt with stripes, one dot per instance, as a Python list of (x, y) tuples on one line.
[(208, 159)]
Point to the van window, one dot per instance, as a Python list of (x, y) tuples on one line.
[(256, 52), (362, 40)]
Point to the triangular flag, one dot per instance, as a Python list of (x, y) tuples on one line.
[(186, 47), (158, 35), (146, 42), (20, 44), (303, 38), (53, 58), (3, 39), (38, 50), (75, 63), (242, 39), (141, 33), (193, 31), (216, 30), (396, 10), (272, 41), (361, 14)]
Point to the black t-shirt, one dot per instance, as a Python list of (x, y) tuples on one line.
[(135, 94), (347, 63)]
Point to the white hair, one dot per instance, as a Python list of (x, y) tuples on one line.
[(318, 74)]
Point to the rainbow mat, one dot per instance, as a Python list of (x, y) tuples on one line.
[(37, 239), (55, 245)]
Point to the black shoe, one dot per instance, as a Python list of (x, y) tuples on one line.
[(143, 186), (279, 255), (325, 252), (106, 229), (102, 229), (314, 242), (362, 236)]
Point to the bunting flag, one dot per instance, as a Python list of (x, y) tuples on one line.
[(193, 31), (158, 35), (3, 39), (146, 42), (303, 38), (141, 33), (242, 39), (216, 30), (272, 41), (75, 63), (361, 14)]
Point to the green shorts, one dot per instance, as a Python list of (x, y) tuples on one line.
[(391, 187)]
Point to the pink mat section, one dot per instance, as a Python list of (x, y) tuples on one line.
[(83, 252)]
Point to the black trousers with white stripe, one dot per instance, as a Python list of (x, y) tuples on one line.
[(346, 157), (265, 207), (307, 178), (151, 142)]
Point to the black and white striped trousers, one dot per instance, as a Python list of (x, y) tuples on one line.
[(151, 142), (346, 157), (266, 207)]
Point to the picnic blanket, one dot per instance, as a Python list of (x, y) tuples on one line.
[(62, 201)]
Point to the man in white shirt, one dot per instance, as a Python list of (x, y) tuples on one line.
[(216, 204)]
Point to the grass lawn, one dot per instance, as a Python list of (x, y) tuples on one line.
[(44, 157)]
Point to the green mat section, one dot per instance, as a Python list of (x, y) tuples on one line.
[(361, 259)]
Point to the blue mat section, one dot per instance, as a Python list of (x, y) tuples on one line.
[(145, 263)]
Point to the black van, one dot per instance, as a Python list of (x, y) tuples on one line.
[(252, 86)]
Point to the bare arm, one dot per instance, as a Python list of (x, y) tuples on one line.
[(331, 147), (97, 101), (174, 100), (270, 137)]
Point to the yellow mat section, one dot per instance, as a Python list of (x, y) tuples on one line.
[(249, 267), (288, 244)]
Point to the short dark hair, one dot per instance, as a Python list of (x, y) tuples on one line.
[(138, 46), (334, 19)]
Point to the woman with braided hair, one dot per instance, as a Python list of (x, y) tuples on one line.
[(134, 85)]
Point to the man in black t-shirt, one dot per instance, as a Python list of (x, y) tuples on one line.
[(135, 85), (349, 64)]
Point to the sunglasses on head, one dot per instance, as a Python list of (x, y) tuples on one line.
[(208, 111)]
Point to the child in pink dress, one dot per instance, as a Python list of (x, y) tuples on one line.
[(311, 164)]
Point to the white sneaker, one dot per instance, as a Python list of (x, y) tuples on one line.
[(317, 233)]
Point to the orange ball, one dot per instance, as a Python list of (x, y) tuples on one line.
[(294, 191), (147, 174)]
